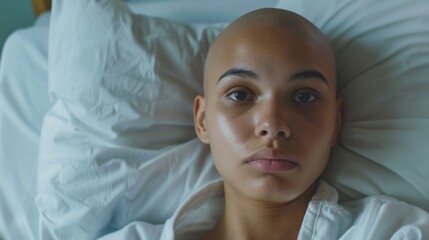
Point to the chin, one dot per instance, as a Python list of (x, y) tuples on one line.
[(271, 189)]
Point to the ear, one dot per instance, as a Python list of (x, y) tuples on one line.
[(200, 119), (340, 118)]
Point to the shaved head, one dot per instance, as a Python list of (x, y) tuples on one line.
[(269, 19)]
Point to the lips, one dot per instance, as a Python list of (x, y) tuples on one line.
[(272, 161)]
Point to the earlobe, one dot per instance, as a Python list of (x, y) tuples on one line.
[(200, 119), (340, 118)]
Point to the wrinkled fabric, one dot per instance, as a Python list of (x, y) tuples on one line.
[(119, 142), (377, 217)]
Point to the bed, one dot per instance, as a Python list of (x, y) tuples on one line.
[(83, 158)]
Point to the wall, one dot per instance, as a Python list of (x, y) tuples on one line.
[(14, 14)]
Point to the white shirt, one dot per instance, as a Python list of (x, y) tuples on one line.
[(376, 217)]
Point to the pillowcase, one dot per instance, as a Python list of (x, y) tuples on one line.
[(118, 145), (382, 55)]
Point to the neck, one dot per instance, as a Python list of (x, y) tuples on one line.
[(249, 219)]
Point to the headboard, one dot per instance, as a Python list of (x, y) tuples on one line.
[(41, 6)]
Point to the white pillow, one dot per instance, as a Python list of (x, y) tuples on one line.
[(382, 50), (118, 145)]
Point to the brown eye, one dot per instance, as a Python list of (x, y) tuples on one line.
[(305, 97), (240, 96)]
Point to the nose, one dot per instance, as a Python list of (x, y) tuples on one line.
[(271, 122)]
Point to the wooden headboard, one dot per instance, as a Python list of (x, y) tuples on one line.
[(41, 6)]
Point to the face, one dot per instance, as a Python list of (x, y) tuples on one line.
[(270, 112)]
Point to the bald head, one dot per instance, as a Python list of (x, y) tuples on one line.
[(272, 17), (267, 25)]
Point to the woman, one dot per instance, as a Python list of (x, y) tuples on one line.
[(271, 116)]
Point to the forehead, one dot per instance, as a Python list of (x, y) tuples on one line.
[(275, 49), (274, 41)]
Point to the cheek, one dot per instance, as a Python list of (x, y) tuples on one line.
[(316, 134), (229, 129), (229, 134)]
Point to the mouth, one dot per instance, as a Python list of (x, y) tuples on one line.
[(272, 161)]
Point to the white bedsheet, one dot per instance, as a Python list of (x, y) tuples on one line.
[(24, 102)]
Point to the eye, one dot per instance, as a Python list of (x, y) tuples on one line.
[(305, 97), (240, 96)]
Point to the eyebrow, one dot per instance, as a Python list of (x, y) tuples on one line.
[(241, 72), (308, 74)]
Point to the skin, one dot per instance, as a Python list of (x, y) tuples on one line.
[(269, 90)]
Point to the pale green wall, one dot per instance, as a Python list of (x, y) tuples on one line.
[(14, 14)]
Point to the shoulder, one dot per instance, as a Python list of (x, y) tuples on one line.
[(383, 217), (374, 207), (374, 217), (198, 214)]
